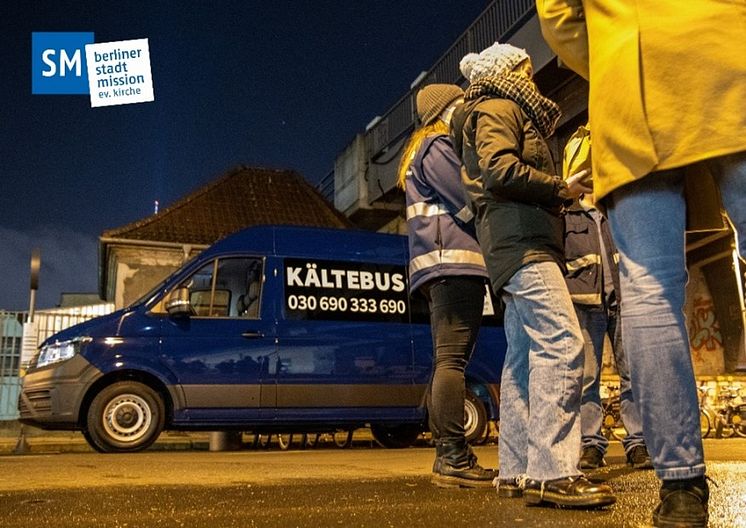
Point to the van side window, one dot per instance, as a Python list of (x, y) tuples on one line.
[(226, 287)]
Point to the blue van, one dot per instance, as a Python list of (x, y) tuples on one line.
[(272, 329)]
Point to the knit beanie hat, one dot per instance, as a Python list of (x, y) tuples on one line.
[(491, 62), (433, 99)]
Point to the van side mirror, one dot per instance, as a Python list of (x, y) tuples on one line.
[(177, 303)]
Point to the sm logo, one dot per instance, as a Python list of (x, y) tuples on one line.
[(58, 63)]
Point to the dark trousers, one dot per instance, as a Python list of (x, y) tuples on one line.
[(455, 315)]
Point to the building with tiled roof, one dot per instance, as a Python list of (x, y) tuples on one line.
[(135, 257)]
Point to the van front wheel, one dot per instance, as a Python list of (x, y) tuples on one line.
[(124, 417)]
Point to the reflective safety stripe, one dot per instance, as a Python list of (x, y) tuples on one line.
[(586, 298), (447, 256), (465, 214), (425, 209), (583, 262)]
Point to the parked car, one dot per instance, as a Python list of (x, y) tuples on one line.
[(272, 329)]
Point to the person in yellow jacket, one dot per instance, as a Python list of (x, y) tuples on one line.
[(666, 106)]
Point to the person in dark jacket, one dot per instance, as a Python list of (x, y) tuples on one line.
[(446, 265), (593, 280), (509, 175)]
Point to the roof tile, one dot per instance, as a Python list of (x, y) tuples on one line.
[(244, 197)]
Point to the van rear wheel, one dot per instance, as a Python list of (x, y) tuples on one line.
[(475, 419), (124, 417)]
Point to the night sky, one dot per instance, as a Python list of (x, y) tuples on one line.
[(282, 84)]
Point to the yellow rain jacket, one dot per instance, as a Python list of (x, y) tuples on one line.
[(667, 83)]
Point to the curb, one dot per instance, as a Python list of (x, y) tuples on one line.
[(36, 445)]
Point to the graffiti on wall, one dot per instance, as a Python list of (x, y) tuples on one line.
[(704, 331), (705, 336)]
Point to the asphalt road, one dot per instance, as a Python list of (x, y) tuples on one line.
[(361, 486)]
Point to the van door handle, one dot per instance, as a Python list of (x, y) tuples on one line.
[(252, 335)]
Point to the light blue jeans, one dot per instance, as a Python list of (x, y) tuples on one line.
[(648, 221), (542, 377), (596, 322)]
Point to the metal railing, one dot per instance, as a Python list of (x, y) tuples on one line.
[(49, 322), (326, 186), (11, 334), (498, 21)]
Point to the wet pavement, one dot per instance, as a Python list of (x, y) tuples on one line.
[(361, 486)]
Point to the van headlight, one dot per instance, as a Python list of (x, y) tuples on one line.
[(59, 351)]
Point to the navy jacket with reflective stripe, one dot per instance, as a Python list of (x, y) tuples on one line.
[(440, 225), (583, 257)]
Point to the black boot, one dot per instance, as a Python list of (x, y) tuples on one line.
[(591, 458), (683, 504), (456, 467), (639, 458), (438, 456)]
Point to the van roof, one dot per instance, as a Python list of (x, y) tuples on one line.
[(314, 242)]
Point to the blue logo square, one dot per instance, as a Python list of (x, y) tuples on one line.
[(58, 64)]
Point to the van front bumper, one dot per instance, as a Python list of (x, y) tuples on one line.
[(51, 397)]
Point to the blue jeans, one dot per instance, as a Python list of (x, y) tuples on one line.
[(541, 380), (648, 222), (596, 322)]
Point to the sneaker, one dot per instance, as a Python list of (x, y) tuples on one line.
[(591, 458), (471, 475), (577, 492), (511, 488), (683, 504), (639, 458)]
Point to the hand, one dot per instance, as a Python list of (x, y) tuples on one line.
[(580, 183), (562, 197)]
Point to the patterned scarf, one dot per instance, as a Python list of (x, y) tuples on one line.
[(544, 112)]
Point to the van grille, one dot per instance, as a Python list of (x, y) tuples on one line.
[(39, 400)]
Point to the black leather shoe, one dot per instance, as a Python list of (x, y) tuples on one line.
[(639, 458), (683, 504), (576, 492), (469, 476), (591, 458), (509, 488)]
